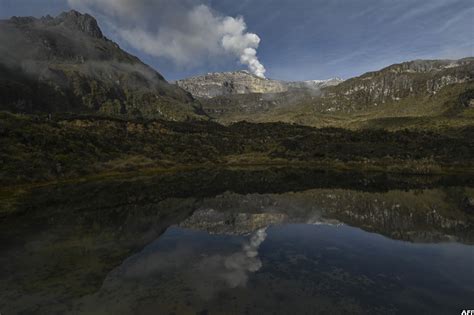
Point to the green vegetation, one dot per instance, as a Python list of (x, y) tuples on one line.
[(448, 108), (423, 94), (36, 149), (65, 64), (122, 116)]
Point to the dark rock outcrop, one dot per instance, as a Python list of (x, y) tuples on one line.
[(66, 64), (82, 22)]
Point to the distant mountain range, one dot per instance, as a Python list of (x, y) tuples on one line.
[(410, 89), (243, 82), (66, 64)]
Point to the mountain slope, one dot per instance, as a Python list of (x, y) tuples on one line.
[(241, 94), (230, 83), (399, 95), (65, 64), (243, 82), (397, 82)]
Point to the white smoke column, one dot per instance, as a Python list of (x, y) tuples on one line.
[(243, 45), (185, 31), (249, 57)]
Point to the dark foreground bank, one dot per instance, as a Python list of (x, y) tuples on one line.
[(41, 148)]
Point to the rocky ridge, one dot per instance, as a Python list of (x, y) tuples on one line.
[(243, 82), (229, 83), (66, 64), (417, 88), (315, 84), (397, 82)]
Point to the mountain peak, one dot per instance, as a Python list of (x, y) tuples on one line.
[(229, 83), (82, 22), (244, 82), (72, 20), (65, 64)]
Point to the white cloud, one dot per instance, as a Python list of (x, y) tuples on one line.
[(184, 31)]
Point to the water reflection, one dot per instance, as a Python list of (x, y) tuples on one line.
[(262, 241), (302, 269), (205, 268)]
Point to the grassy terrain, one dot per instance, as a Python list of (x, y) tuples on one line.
[(37, 149), (449, 108)]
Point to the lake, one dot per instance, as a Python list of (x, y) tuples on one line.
[(239, 241)]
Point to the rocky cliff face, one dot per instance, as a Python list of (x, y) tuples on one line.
[(240, 95), (230, 83), (397, 82), (65, 64), (81, 22), (315, 84), (242, 82)]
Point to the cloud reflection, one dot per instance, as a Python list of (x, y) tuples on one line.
[(206, 273)]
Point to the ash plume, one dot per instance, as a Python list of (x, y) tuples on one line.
[(187, 32)]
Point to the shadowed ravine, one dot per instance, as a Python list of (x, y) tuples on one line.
[(201, 241)]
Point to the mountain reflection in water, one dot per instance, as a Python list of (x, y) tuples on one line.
[(240, 241)]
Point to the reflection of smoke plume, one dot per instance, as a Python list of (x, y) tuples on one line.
[(219, 272), (184, 31), (238, 265), (251, 248), (208, 274)]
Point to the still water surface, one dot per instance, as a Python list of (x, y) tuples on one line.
[(254, 243)]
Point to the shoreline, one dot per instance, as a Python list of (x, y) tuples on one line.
[(349, 167)]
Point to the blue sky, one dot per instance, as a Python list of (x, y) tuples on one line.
[(315, 39)]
